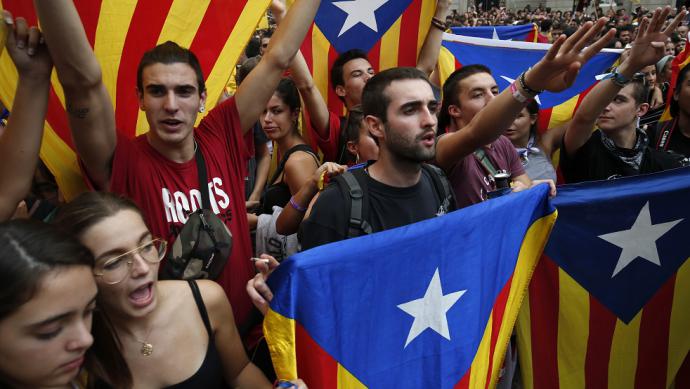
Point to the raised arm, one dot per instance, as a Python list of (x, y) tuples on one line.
[(647, 49), (555, 72), (428, 55), (90, 111), (20, 143), (260, 84)]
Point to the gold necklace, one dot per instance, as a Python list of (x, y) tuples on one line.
[(146, 347)]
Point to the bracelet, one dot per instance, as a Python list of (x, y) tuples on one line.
[(296, 206), (617, 78), (524, 86), (436, 22), (283, 384), (519, 96)]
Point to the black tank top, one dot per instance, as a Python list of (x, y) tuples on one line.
[(278, 193), (210, 373)]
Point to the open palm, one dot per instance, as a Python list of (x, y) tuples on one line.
[(648, 46)]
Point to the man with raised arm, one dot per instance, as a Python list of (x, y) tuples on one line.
[(619, 147), (158, 169)]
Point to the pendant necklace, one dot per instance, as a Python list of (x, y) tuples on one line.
[(146, 347)]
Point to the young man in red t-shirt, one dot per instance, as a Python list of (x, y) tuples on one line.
[(157, 169)]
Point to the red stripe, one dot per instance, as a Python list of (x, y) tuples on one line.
[(335, 105), (89, 11), (683, 376), (464, 381), (543, 119), (314, 365), (409, 32), (145, 27), (374, 55), (458, 65), (307, 49), (543, 293), (21, 8), (652, 354), (602, 324), (496, 321), (214, 30)]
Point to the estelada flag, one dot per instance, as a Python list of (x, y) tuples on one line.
[(521, 32), (390, 32), (508, 59), (609, 302), (120, 32), (678, 63), (428, 305)]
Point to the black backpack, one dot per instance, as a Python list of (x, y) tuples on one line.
[(353, 185)]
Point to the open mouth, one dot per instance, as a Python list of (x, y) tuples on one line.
[(428, 139), (171, 123), (142, 296)]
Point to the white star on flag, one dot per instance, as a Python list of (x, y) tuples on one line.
[(430, 310), (639, 240), (360, 11), (511, 80)]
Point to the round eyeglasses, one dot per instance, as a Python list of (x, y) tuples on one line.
[(116, 268)]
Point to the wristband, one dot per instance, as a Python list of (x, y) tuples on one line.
[(436, 22), (617, 78), (284, 384), (517, 95), (524, 86), (296, 206)]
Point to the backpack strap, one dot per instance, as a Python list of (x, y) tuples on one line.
[(342, 158), (484, 160), (203, 178), (357, 198), (444, 192), (664, 136), (283, 161)]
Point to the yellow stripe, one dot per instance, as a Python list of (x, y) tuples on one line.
[(62, 162), (480, 367), (427, 12), (524, 344), (563, 112), (623, 359), (389, 46), (280, 336), (446, 64), (573, 302), (530, 251), (346, 380), (111, 32), (319, 49), (678, 339)]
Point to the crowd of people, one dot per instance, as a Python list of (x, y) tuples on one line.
[(81, 302)]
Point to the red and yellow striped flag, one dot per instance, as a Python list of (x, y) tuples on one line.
[(120, 31), (678, 63)]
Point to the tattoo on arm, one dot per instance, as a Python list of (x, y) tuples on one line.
[(79, 113)]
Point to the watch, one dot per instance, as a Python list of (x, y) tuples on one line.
[(617, 78)]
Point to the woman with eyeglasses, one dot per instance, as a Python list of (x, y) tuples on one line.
[(174, 334)]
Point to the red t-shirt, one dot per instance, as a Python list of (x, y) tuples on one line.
[(329, 147), (167, 191)]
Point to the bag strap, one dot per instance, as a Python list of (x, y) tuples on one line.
[(445, 194), (664, 136), (355, 196), (484, 160), (283, 161), (203, 178), (342, 142)]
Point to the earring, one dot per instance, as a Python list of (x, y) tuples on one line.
[(202, 109), (356, 158)]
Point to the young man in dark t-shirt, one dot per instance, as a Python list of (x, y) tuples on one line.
[(618, 147), (675, 134)]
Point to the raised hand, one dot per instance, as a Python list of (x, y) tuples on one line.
[(26, 48), (559, 67), (648, 46)]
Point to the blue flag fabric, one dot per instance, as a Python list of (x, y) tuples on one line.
[(515, 33), (622, 239), (508, 59), (369, 301), (357, 24)]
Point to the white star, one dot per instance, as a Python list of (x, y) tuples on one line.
[(639, 240), (430, 310), (510, 81), (359, 11), (495, 35)]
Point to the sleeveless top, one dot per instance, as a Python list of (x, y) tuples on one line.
[(210, 373), (279, 193)]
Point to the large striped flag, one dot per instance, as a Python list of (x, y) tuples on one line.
[(678, 63), (391, 32), (120, 31), (609, 304), (428, 305), (521, 32)]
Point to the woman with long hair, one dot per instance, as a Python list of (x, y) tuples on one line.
[(171, 333)]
